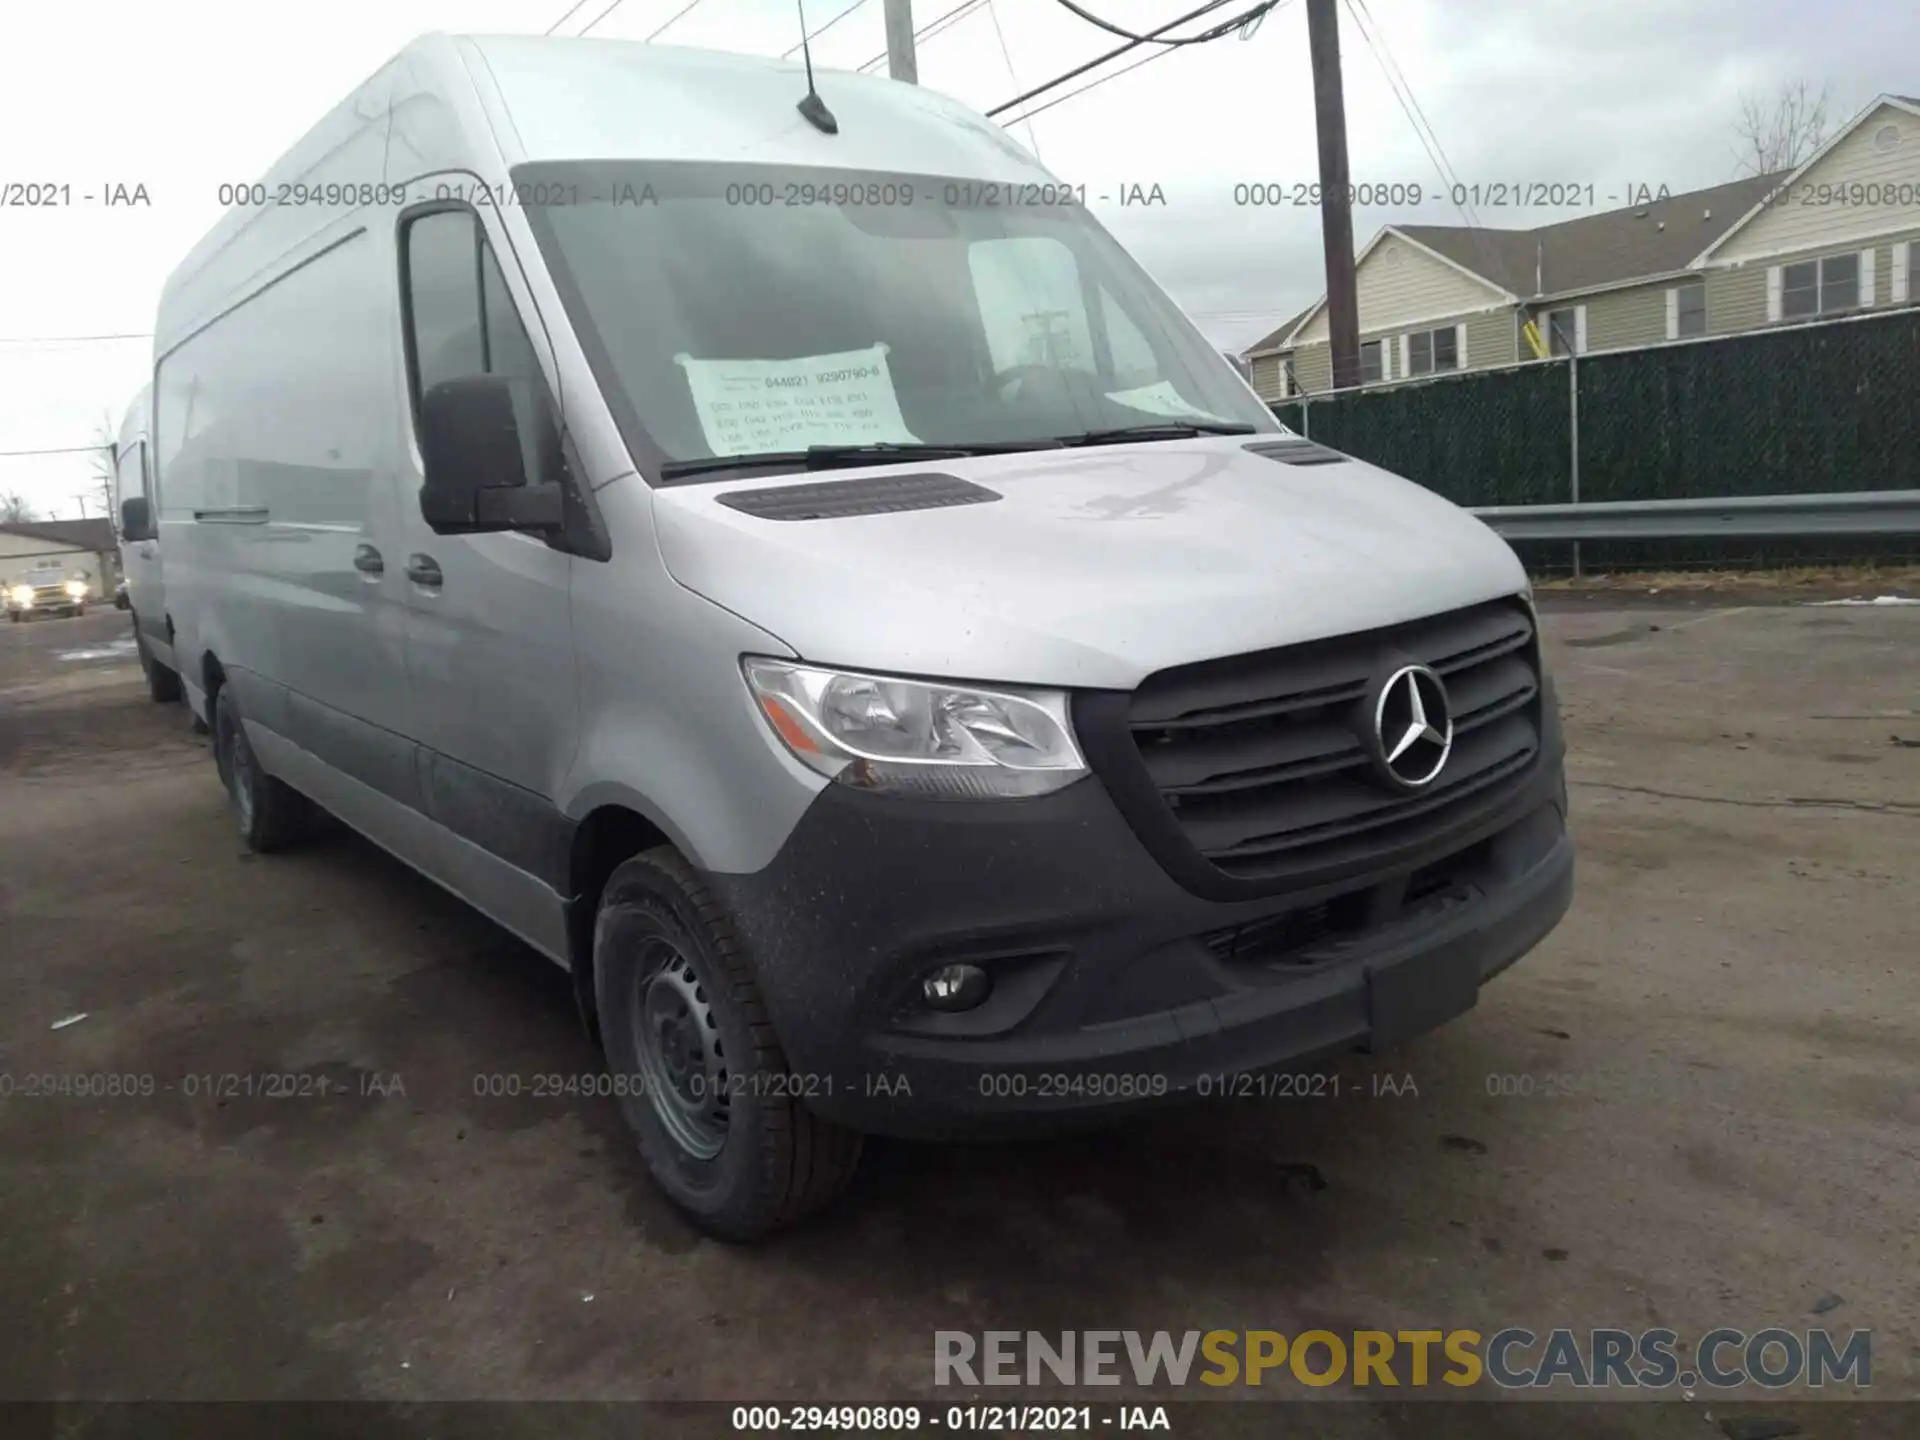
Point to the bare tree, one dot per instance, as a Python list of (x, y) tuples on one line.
[(1778, 134), (106, 436), (14, 510)]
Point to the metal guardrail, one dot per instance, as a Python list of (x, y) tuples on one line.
[(1776, 517)]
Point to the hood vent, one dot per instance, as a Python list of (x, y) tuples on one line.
[(1297, 452), (843, 499)]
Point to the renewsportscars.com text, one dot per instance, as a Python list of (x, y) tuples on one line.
[(1511, 1358)]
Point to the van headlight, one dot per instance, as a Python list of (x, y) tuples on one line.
[(22, 595), (76, 589), (918, 737)]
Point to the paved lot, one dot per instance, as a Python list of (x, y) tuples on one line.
[(1734, 1004)]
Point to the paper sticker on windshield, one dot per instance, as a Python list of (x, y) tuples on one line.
[(1162, 399), (749, 407)]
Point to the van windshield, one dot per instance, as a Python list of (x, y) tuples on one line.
[(739, 311)]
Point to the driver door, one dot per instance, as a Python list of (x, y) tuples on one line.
[(489, 628)]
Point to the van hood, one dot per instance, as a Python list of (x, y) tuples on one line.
[(1095, 568)]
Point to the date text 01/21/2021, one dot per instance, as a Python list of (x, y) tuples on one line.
[(1498, 194), (791, 1085), (1006, 1419)]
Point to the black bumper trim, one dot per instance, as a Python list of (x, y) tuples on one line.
[(869, 893)]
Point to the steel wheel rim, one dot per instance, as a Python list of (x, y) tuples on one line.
[(676, 1037)]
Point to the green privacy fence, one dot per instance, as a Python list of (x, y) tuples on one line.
[(1827, 407)]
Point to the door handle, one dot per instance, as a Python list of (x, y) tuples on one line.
[(367, 560), (424, 570)]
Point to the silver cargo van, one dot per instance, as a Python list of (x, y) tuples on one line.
[(777, 554), (146, 590)]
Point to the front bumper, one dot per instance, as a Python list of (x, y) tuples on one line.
[(1114, 986)]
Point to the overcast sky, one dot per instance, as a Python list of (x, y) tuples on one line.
[(182, 96)]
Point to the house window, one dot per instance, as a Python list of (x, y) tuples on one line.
[(1839, 283), (1560, 326), (1370, 373), (1431, 350), (1820, 287), (1691, 308), (1800, 290)]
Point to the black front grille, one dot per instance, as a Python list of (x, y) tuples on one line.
[(1260, 759)]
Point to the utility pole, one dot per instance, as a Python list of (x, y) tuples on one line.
[(900, 61), (1336, 213)]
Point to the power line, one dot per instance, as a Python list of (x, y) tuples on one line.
[(1256, 13), (944, 21), (1006, 54), (1100, 60), (572, 10), (1422, 128), (69, 339), (1093, 84), (815, 35), (674, 20), (598, 18), (60, 450), (1226, 27)]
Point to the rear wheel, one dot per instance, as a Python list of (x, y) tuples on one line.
[(272, 815), (717, 1113)]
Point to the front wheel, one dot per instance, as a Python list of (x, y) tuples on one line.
[(163, 685), (720, 1120), (272, 815)]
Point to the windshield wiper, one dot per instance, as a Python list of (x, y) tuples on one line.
[(1160, 430), (826, 457)]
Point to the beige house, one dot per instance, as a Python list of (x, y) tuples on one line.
[(76, 549), (1834, 236)]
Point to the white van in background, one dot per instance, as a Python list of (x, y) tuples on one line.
[(774, 551), (140, 549)]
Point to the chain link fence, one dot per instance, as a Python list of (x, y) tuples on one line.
[(1827, 407)]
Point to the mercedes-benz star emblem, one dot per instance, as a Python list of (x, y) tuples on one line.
[(1412, 728)]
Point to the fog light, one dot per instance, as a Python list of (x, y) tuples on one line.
[(955, 987)]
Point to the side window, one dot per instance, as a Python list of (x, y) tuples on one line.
[(1031, 303), (462, 322)]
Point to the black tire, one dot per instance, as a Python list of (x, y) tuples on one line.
[(163, 685), (272, 814), (661, 938)]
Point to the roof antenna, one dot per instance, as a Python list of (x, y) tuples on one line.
[(813, 107)]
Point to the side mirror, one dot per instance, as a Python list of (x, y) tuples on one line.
[(475, 469), (136, 518)]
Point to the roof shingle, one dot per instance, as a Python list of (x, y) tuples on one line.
[(1589, 252), (1606, 249)]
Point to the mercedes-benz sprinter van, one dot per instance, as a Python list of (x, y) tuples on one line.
[(773, 551), (146, 590)]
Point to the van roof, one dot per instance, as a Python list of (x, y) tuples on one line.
[(609, 99), (488, 103)]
